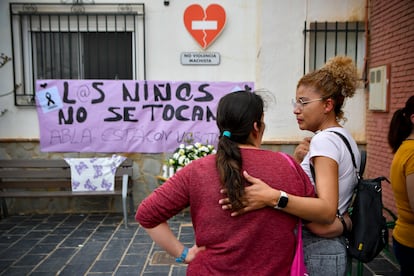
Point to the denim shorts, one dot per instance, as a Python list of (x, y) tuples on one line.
[(324, 256)]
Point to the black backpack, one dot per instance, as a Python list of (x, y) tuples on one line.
[(369, 234)]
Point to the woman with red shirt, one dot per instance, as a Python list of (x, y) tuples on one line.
[(226, 245)]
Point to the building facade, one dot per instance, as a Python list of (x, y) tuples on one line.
[(270, 43), (390, 46)]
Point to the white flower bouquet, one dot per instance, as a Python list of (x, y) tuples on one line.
[(184, 154)]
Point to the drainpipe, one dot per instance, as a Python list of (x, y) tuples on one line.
[(365, 70), (366, 34)]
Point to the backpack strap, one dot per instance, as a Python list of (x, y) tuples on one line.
[(363, 162), (360, 172), (348, 145)]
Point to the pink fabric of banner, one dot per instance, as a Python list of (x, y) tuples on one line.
[(128, 115)]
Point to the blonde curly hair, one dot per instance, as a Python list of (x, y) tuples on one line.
[(337, 80)]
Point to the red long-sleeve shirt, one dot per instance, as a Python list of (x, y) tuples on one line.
[(260, 242)]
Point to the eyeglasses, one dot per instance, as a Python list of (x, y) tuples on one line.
[(300, 103)]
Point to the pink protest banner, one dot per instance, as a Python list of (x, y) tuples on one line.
[(128, 115)]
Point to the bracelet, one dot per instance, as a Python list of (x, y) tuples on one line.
[(181, 259), (344, 227)]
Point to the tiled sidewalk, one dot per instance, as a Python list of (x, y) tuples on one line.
[(98, 244)]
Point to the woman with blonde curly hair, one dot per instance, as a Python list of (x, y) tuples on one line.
[(320, 96)]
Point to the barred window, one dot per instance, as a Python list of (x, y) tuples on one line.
[(324, 40), (92, 41)]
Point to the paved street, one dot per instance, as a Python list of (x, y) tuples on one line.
[(99, 244)]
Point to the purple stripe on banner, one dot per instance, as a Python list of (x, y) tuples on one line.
[(128, 115)]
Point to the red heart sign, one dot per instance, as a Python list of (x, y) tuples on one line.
[(204, 26)]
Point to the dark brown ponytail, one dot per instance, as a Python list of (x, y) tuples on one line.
[(236, 114)]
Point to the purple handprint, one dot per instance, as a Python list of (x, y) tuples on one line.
[(81, 167), (75, 185), (98, 171), (114, 166), (106, 185), (88, 185)]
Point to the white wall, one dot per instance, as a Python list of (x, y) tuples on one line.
[(280, 60), (261, 42)]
